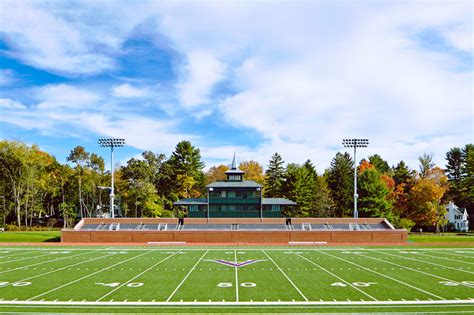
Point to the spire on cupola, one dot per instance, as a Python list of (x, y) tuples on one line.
[(234, 164), (234, 174)]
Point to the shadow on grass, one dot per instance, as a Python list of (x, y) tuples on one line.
[(53, 239)]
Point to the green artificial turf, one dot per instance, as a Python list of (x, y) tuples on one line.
[(440, 238), (311, 279), (30, 236)]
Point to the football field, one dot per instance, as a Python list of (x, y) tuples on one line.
[(217, 279)]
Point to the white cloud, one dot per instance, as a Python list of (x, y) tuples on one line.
[(66, 96), (11, 104), (200, 74), (128, 91), (46, 40), (303, 75), (7, 77)]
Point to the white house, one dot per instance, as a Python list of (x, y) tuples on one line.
[(458, 217)]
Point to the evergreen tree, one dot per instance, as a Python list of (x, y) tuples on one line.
[(467, 181), (402, 174), (380, 164), (298, 186), (311, 169), (454, 169), (373, 195), (274, 176), (340, 182), (185, 166), (323, 205), (186, 160)]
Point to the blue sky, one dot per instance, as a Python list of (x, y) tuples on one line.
[(247, 77)]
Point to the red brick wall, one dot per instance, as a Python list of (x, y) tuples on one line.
[(274, 237)]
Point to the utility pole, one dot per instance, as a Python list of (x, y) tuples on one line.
[(111, 143), (355, 143)]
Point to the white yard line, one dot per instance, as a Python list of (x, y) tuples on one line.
[(18, 254), (336, 276), (385, 276), (446, 258), (24, 258), (187, 275), (62, 268), (89, 275), (236, 278), (426, 262), (287, 278), (135, 277), (405, 267), (452, 254), (43, 262)]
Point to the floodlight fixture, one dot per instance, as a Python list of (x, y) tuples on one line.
[(111, 143), (355, 143)]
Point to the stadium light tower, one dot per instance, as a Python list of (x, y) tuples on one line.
[(355, 143), (111, 143)]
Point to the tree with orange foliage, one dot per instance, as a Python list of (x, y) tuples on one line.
[(364, 165), (424, 198), (253, 171), (216, 173)]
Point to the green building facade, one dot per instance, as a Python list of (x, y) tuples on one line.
[(234, 198)]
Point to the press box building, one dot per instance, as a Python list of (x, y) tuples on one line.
[(234, 197)]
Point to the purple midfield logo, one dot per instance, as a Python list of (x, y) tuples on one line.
[(234, 264)]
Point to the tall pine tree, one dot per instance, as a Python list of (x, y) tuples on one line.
[(299, 186), (274, 176), (467, 181), (454, 169), (340, 181), (373, 192), (380, 164)]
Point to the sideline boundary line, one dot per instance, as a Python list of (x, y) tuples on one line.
[(286, 303)]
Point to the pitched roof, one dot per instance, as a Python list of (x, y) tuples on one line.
[(191, 201), (224, 184), (278, 201)]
